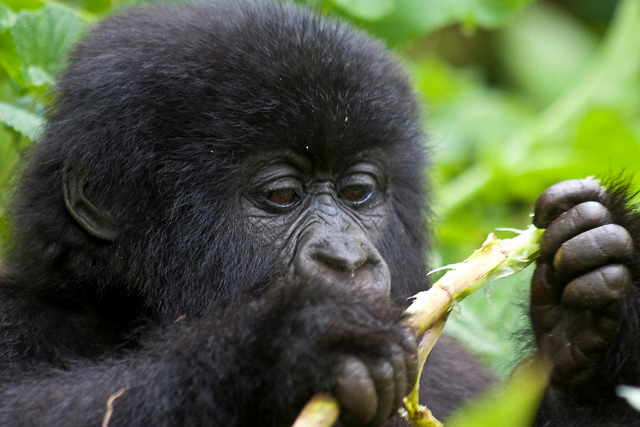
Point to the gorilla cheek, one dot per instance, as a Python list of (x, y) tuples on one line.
[(345, 259)]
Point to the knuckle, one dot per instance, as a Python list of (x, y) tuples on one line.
[(355, 390), (545, 318), (598, 288), (562, 196), (577, 220), (617, 237), (384, 372), (408, 340), (610, 243), (617, 278), (542, 290)]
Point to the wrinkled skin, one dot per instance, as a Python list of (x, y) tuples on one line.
[(327, 225)]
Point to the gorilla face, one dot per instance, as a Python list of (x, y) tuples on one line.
[(324, 222), (237, 160)]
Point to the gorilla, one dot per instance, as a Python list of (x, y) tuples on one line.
[(225, 216)]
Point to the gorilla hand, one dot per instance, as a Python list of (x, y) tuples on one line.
[(335, 341), (370, 390), (580, 279)]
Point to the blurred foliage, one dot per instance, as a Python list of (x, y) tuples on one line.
[(519, 94), (401, 21), (513, 403)]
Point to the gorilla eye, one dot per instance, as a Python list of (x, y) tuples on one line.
[(283, 197), (355, 193)]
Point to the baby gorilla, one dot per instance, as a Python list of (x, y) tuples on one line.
[(225, 216)]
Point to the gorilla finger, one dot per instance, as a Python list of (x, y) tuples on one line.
[(410, 347), (608, 326), (545, 317), (576, 220), (562, 196), (612, 311), (600, 246), (384, 378), (597, 289), (543, 291), (356, 392), (557, 351), (408, 340), (573, 367), (412, 367), (400, 376), (588, 341), (566, 360)]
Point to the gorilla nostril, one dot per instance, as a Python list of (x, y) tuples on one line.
[(344, 257), (343, 260), (340, 264)]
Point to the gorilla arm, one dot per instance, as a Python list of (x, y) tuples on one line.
[(206, 371)]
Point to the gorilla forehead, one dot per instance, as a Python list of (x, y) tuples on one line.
[(243, 77)]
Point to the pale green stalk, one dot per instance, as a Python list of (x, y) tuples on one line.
[(496, 258)]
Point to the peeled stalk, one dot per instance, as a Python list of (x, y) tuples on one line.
[(496, 258)]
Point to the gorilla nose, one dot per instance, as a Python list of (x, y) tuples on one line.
[(343, 259)]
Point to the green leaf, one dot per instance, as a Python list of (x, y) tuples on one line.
[(367, 10), (21, 120), (9, 60), (42, 39), (37, 76), (409, 20), (19, 5), (491, 13), (413, 18), (7, 17), (560, 43), (607, 141)]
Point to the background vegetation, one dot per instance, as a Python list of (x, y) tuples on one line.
[(519, 94)]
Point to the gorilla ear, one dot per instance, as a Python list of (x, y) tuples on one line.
[(96, 222)]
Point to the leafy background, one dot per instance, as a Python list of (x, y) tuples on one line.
[(518, 94)]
